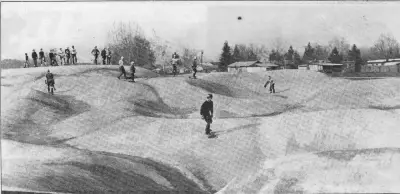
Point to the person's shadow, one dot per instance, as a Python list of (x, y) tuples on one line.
[(213, 135)]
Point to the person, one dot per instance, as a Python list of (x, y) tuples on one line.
[(175, 58), (122, 68), (206, 111), (194, 67), (41, 56), (52, 56), (34, 57), (62, 57), (95, 53), (26, 64), (104, 55), (108, 56), (270, 85), (133, 70), (73, 53), (50, 80), (67, 55)]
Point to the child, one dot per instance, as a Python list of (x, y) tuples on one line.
[(121, 68)]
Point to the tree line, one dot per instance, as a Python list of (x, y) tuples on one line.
[(337, 50)]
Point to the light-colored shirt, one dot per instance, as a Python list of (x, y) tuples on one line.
[(121, 62), (73, 51)]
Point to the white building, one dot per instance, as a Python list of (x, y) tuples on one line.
[(250, 66)]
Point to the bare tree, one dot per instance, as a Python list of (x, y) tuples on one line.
[(386, 46), (127, 39), (341, 45)]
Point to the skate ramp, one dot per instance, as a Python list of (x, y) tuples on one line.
[(94, 117)]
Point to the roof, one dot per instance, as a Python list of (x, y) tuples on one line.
[(391, 63), (267, 65), (243, 64), (330, 64), (382, 60)]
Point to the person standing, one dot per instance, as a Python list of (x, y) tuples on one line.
[(52, 56), (104, 55), (34, 57), (122, 68), (67, 55), (272, 87), (26, 60), (206, 111), (108, 56), (42, 58), (73, 53), (194, 67), (133, 70), (95, 53), (62, 56), (50, 81), (175, 59)]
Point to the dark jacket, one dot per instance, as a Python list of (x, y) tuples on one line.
[(95, 52), (41, 54), (67, 52), (26, 57), (34, 55), (50, 78), (207, 108), (104, 53), (51, 55), (133, 69)]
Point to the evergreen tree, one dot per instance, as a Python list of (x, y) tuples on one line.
[(289, 54), (226, 57), (355, 55), (236, 54), (335, 57), (272, 56), (297, 58), (309, 53)]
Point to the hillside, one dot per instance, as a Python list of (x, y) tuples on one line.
[(101, 134)]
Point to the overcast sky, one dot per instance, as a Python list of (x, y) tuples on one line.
[(200, 25)]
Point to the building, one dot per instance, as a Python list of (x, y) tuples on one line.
[(251, 66), (324, 67), (383, 62)]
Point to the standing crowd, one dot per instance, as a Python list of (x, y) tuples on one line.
[(66, 57)]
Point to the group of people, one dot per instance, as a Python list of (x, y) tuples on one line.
[(122, 69), (105, 54), (65, 55), (175, 61)]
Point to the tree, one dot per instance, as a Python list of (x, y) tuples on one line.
[(335, 57), (130, 43), (355, 55), (341, 45), (226, 57), (321, 52), (309, 53), (188, 57), (386, 47), (289, 54), (297, 58), (236, 54)]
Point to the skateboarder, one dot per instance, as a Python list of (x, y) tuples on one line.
[(34, 57), (270, 85), (121, 68), (194, 67), (133, 70), (50, 80), (206, 112)]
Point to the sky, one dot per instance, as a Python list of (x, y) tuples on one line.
[(198, 25)]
